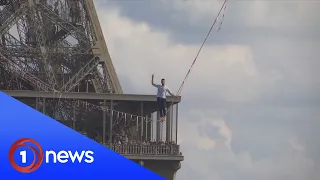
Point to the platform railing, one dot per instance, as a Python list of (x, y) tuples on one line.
[(128, 149)]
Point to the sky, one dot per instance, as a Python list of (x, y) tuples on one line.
[(251, 106)]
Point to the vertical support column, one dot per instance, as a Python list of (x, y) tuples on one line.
[(141, 128), (148, 128), (168, 125), (158, 128), (44, 105), (87, 86), (74, 117), (177, 114), (151, 127), (142, 121), (111, 123), (136, 136), (104, 122), (37, 103), (171, 123)]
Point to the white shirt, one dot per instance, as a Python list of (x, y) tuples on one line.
[(162, 91)]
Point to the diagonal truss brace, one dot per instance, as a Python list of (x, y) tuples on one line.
[(74, 31), (19, 72), (96, 81), (81, 74), (102, 80), (11, 18)]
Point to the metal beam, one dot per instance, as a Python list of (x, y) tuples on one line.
[(81, 74), (22, 51), (93, 96), (104, 121), (111, 123), (8, 19), (103, 47)]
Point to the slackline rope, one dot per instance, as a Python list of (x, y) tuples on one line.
[(224, 6)]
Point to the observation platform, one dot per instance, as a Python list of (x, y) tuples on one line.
[(130, 104), (129, 124)]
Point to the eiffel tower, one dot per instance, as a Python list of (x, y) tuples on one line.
[(53, 57)]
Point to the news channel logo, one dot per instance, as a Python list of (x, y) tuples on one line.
[(26, 156)]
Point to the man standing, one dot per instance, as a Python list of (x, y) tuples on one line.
[(161, 97)]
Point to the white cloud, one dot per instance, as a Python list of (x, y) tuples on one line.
[(206, 143), (224, 130), (279, 14), (196, 9), (189, 132), (220, 160), (276, 14)]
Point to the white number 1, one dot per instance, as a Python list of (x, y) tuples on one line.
[(23, 155)]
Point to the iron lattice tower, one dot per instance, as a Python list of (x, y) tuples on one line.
[(54, 45), (57, 46)]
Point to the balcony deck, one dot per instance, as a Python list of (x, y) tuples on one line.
[(150, 152), (143, 105)]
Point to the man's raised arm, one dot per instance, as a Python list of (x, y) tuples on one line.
[(152, 82)]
